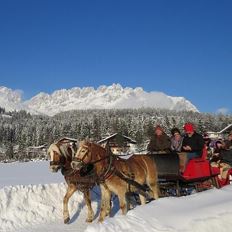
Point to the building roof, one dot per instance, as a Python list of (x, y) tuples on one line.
[(67, 138), (225, 129), (128, 139), (38, 147), (214, 134)]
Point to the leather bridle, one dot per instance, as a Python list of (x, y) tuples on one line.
[(81, 160), (106, 172)]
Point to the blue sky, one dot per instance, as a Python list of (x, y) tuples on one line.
[(182, 48)]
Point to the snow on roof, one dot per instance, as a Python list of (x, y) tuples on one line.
[(38, 147), (132, 141), (67, 138), (218, 134), (113, 135), (107, 138), (6, 116), (225, 129)]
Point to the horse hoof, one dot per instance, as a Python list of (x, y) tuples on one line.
[(89, 220), (100, 220), (66, 221)]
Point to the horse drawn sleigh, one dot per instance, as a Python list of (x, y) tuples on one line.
[(197, 176), (150, 175)]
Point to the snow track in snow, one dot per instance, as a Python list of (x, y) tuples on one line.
[(33, 205)]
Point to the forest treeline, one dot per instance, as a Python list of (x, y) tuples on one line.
[(22, 130)]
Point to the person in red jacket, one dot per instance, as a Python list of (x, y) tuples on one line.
[(192, 145)]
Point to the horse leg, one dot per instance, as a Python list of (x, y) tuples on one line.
[(89, 206), (152, 182), (71, 189), (123, 202), (121, 189), (108, 206), (105, 200), (155, 189), (142, 199)]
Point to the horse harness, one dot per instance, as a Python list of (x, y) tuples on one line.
[(63, 157), (83, 183), (112, 170)]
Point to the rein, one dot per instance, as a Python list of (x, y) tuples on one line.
[(140, 188), (68, 172), (61, 162), (94, 162), (110, 170), (106, 172), (84, 183)]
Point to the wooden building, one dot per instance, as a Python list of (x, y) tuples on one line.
[(220, 134), (118, 143)]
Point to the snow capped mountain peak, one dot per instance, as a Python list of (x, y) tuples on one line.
[(10, 99), (11, 95), (104, 97)]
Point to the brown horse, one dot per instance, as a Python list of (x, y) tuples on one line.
[(60, 154), (114, 173)]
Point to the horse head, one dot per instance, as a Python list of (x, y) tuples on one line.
[(88, 157), (83, 155), (60, 153)]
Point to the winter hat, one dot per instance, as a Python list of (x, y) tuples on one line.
[(188, 127), (175, 130), (158, 127)]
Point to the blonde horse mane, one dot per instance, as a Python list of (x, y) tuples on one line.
[(61, 148)]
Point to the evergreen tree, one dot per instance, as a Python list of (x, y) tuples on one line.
[(10, 151), (22, 129)]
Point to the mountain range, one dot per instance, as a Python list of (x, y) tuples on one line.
[(104, 97)]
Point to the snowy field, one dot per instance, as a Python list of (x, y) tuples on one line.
[(31, 201)]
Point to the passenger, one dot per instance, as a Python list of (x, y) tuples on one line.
[(228, 142), (192, 146), (216, 156), (159, 142), (176, 140), (219, 161), (208, 145), (218, 147)]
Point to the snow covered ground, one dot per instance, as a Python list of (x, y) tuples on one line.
[(31, 201), (19, 173)]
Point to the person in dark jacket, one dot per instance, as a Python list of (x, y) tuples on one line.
[(159, 142), (192, 145), (208, 144), (228, 142), (221, 159)]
